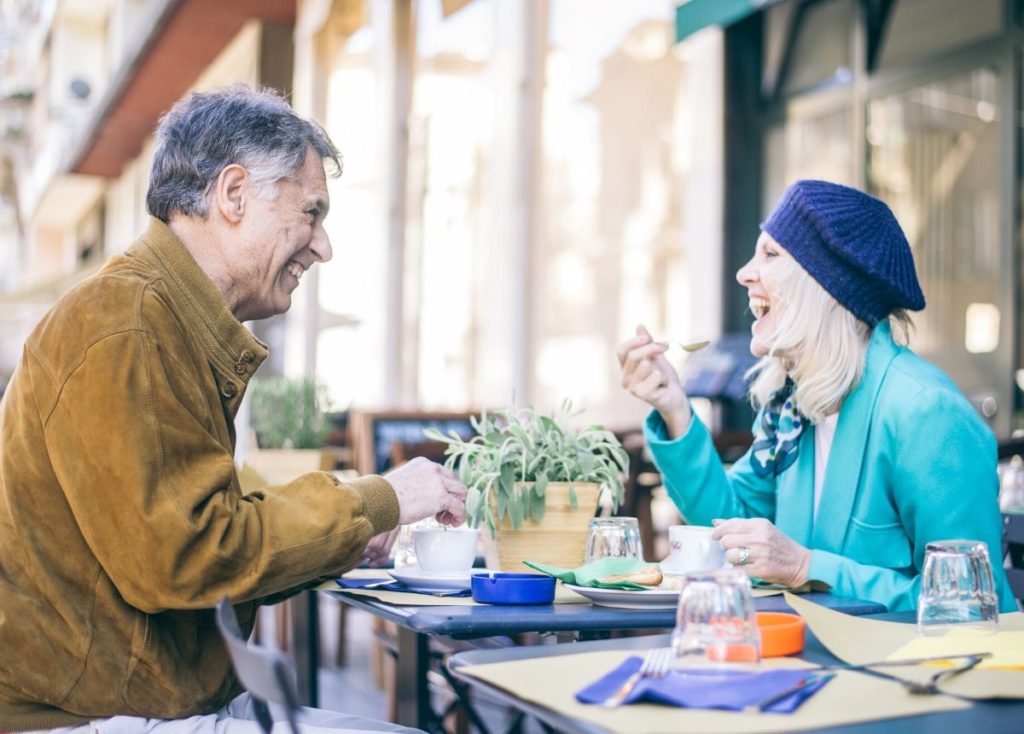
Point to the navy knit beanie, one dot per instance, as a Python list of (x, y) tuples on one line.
[(851, 244)]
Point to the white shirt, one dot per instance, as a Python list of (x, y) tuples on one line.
[(824, 432)]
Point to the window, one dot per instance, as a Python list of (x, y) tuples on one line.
[(934, 157), (822, 52), (918, 30)]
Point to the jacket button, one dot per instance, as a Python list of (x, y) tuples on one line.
[(239, 368), (229, 389), (248, 355)]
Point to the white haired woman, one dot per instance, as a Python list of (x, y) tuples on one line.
[(863, 452)]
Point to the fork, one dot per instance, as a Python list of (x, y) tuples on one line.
[(929, 687), (656, 664)]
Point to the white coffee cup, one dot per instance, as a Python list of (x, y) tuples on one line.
[(445, 550), (691, 548)]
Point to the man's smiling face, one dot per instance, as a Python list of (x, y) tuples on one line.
[(283, 236)]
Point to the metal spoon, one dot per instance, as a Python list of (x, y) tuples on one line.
[(693, 346)]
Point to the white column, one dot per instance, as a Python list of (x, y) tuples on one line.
[(394, 23), (505, 347), (702, 205)]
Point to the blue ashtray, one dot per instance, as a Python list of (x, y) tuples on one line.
[(495, 587)]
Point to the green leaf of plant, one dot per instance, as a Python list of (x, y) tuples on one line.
[(502, 504), (515, 510), (523, 445), (537, 505), (473, 499), (506, 484), (489, 519)]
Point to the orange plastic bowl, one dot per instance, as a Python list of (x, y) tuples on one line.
[(781, 634)]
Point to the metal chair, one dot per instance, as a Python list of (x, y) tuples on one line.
[(1013, 552), (267, 674)]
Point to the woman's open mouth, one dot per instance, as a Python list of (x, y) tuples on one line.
[(759, 307)]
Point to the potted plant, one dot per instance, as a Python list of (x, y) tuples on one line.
[(290, 419), (534, 483)]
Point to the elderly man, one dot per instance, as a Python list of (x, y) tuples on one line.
[(121, 518)]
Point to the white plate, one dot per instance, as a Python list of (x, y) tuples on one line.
[(422, 580), (628, 599)]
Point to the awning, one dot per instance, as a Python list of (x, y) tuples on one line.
[(696, 14)]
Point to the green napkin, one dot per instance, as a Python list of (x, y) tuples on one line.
[(588, 574)]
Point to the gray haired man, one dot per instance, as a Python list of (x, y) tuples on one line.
[(121, 518)]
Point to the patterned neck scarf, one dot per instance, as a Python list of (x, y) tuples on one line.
[(777, 435)]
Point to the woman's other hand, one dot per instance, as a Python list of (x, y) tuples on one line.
[(647, 374), (759, 549)]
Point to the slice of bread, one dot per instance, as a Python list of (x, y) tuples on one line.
[(647, 576)]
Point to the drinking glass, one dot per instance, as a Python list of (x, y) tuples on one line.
[(715, 618), (956, 588), (403, 554), (613, 537)]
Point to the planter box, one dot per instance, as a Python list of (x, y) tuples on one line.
[(280, 466), (558, 539)]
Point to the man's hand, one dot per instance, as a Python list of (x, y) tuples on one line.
[(766, 553), (378, 550), (424, 489), (647, 374)]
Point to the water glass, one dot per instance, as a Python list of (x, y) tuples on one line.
[(613, 537), (715, 619), (957, 588), (403, 553)]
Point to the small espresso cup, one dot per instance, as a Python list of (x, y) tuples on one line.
[(691, 548), (445, 550)]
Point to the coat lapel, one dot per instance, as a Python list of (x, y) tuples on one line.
[(846, 460)]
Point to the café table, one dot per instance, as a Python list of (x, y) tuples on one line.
[(990, 717), (579, 621)]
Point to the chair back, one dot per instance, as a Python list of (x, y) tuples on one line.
[(266, 674), (1013, 552)]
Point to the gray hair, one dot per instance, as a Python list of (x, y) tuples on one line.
[(207, 131), (818, 343)]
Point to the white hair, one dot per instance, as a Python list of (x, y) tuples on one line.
[(818, 343)]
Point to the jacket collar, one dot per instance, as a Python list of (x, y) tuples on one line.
[(231, 348), (846, 460)]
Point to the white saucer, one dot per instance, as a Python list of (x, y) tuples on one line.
[(417, 578)]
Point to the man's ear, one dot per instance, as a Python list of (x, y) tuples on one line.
[(231, 192)]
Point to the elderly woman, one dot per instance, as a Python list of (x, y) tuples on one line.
[(863, 452)]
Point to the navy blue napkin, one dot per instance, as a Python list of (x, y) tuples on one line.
[(729, 690), (382, 585)]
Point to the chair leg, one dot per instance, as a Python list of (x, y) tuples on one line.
[(282, 616), (341, 651)]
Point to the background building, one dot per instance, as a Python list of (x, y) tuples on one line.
[(918, 101), (525, 181)]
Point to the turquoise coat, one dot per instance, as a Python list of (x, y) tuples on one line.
[(911, 462)]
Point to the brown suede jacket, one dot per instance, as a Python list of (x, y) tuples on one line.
[(121, 518)]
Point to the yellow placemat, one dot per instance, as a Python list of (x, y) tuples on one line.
[(859, 640), (553, 681), (1006, 647)]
